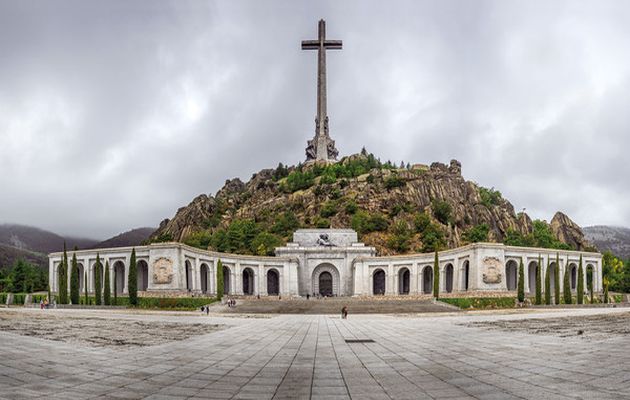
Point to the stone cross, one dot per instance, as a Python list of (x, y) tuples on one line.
[(321, 147)]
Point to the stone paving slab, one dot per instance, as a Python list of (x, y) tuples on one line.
[(307, 357)]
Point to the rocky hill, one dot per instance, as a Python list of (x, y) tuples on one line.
[(615, 239), (397, 210), (133, 237)]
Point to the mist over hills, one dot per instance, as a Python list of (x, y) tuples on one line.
[(613, 238)]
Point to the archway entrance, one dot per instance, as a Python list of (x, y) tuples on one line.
[(448, 279), (203, 272), (466, 274), (273, 282), (248, 281), (378, 282), (143, 275), (226, 280), (427, 280), (573, 269), (532, 270), (119, 277), (510, 275), (326, 284), (403, 281)]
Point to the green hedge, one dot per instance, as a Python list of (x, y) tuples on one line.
[(170, 303), (18, 298), (3, 298), (481, 302)]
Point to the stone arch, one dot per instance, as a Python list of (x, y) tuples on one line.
[(81, 278), (332, 277), (404, 279), (532, 271), (573, 275), (466, 275), (119, 276), (226, 280), (273, 282), (448, 278), (511, 274), (189, 275), (552, 278), (427, 280), (143, 275), (203, 275), (378, 282), (248, 281)]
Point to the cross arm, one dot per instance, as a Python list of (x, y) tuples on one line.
[(332, 44), (310, 44)]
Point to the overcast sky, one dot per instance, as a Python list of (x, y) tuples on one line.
[(114, 114)]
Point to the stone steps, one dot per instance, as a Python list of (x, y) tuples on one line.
[(334, 306)]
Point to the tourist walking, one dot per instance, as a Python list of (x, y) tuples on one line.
[(344, 312)]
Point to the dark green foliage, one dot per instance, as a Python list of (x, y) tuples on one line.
[(63, 278), (98, 288), (432, 238), (394, 181), (436, 276), (265, 243), (370, 179), (441, 211), (328, 209), (421, 221), (200, 239), (540, 237), (322, 223), (24, 277), (539, 281), (107, 289), (548, 284), (556, 280), (489, 197), (298, 180), (19, 298), (606, 299), (589, 282), (74, 280), (85, 287), (521, 282), (364, 222), (400, 239), (132, 285), (280, 172), (219, 285), (566, 285), (286, 224), (163, 237), (580, 283), (351, 207), (478, 233)]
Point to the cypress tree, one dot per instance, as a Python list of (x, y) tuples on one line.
[(580, 283), (49, 294), (107, 291), (606, 300), (63, 278), (521, 282), (548, 284), (97, 280), (219, 285), (74, 280), (567, 284), (132, 285), (556, 280), (87, 299), (539, 281), (436, 276)]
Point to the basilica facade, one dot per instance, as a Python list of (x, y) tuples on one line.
[(329, 262)]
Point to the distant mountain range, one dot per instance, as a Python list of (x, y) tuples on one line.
[(613, 238), (34, 244)]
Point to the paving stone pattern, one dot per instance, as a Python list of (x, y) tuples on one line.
[(307, 357)]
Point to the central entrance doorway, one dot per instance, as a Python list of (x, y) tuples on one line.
[(326, 284)]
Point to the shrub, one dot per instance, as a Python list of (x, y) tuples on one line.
[(220, 287), (421, 221), (364, 222), (480, 302), (351, 207), (3, 298), (107, 290), (489, 197), (478, 233), (298, 180), (441, 211), (200, 239), (539, 281), (556, 280), (265, 243), (394, 181), (400, 238), (19, 298), (566, 285), (322, 223), (328, 209), (132, 285), (285, 224), (97, 280), (63, 278), (548, 284), (432, 238), (521, 282)]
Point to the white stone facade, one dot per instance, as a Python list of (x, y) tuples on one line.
[(329, 262)]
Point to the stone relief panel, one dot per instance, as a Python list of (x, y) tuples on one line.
[(492, 270), (162, 271)]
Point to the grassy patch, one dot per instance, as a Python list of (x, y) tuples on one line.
[(481, 303)]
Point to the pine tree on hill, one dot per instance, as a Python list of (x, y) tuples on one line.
[(74, 280), (539, 281), (107, 290), (132, 285)]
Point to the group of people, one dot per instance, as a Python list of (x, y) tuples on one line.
[(231, 303), (205, 309), (43, 304)]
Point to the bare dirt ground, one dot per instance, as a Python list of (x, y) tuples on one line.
[(100, 332), (601, 326)]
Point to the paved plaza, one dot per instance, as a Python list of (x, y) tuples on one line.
[(309, 357)]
